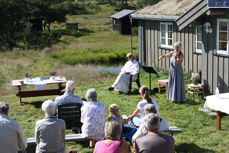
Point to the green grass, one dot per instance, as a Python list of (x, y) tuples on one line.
[(199, 134), (99, 47)]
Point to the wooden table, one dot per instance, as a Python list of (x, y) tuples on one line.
[(220, 105), (44, 92)]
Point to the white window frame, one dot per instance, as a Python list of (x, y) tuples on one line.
[(223, 51), (166, 45), (200, 33)]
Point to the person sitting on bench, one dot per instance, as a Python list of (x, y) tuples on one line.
[(11, 135), (154, 141), (50, 131), (68, 96), (149, 108), (123, 80)]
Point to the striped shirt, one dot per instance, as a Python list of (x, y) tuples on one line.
[(50, 135), (67, 97), (12, 139)]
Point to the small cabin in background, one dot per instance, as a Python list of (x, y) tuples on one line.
[(121, 21), (203, 31)]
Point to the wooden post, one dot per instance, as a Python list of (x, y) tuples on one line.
[(19, 93)]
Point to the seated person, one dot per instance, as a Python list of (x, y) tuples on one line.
[(139, 111), (114, 115), (123, 80), (11, 135), (128, 130), (68, 96), (50, 132), (154, 141), (112, 142), (93, 118), (149, 108)]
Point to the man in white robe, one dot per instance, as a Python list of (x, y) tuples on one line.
[(123, 80)]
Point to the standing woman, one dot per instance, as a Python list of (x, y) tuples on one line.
[(176, 90)]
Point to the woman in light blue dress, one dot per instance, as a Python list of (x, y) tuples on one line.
[(176, 89)]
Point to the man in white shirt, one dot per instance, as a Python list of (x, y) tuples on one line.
[(12, 139), (130, 69)]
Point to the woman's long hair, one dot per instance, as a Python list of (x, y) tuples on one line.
[(144, 91)]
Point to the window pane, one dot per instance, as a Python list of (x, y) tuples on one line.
[(170, 42), (162, 34), (223, 36), (223, 46), (199, 46), (170, 34), (162, 27), (223, 26), (163, 41), (199, 37), (170, 28), (199, 29)]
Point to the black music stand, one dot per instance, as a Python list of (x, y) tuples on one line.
[(150, 70)]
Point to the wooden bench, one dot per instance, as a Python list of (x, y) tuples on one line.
[(172, 130), (31, 142)]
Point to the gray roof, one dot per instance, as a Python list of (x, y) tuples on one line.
[(166, 8), (122, 14)]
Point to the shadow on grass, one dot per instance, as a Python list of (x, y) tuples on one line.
[(191, 148), (36, 104)]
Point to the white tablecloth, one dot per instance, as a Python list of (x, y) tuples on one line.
[(220, 103)]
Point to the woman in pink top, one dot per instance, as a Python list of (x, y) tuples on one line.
[(112, 143)]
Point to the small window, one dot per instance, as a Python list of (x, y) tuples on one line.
[(166, 35), (199, 46), (222, 36)]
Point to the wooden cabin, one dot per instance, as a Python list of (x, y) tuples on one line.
[(121, 21), (202, 30)]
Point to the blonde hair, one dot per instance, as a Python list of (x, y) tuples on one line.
[(114, 111), (144, 91), (177, 44)]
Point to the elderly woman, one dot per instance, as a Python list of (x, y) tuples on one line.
[(50, 132), (112, 142), (93, 118), (149, 108), (176, 89), (146, 99)]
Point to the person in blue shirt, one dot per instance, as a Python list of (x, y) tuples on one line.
[(68, 96)]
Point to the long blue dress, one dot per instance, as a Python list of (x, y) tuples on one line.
[(176, 90)]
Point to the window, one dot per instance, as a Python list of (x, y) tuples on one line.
[(222, 36), (199, 46), (166, 36)]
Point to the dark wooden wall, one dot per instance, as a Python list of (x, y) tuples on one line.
[(214, 68)]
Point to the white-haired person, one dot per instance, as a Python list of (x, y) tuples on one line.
[(50, 131), (146, 99), (68, 96), (123, 80), (154, 141), (93, 118), (176, 87), (149, 108), (12, 138), (112, 142)]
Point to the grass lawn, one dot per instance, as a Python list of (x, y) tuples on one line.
[(198, 136)]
